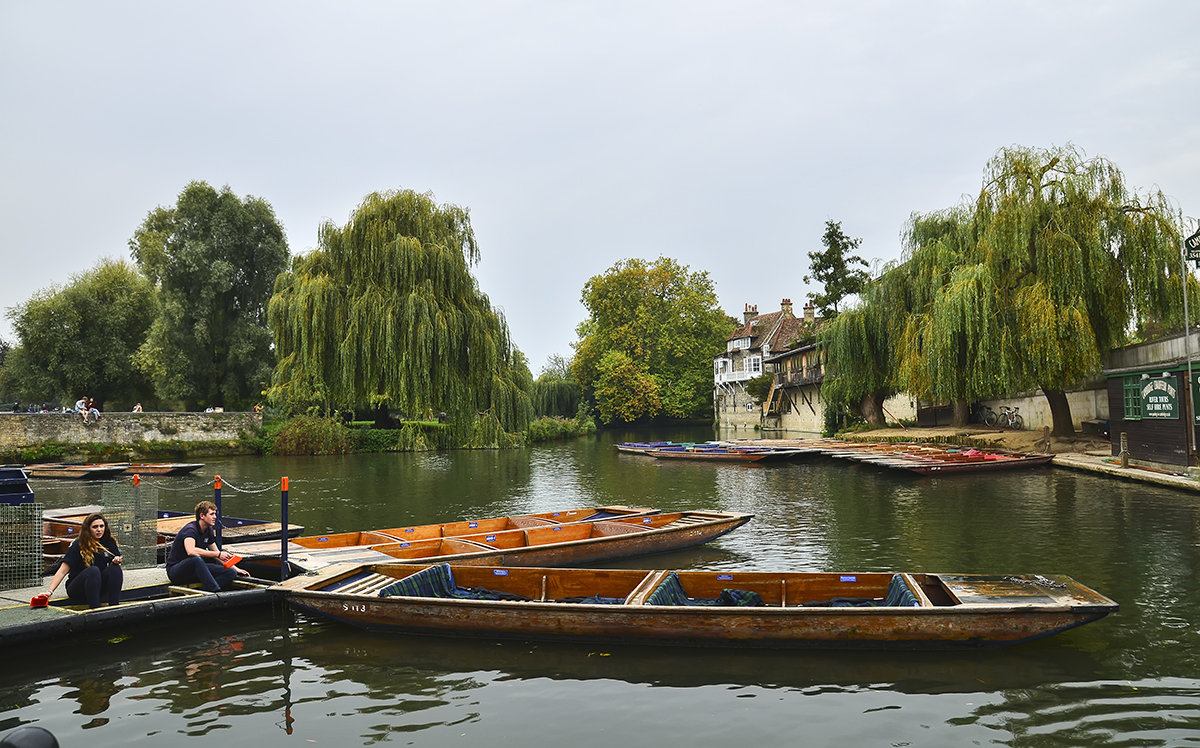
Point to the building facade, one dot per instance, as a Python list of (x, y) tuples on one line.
[(754, 349)]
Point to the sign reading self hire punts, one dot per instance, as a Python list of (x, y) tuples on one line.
[(1160, 397)]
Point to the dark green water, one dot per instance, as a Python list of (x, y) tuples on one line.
[(1132, 679)]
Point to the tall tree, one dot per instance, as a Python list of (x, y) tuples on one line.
[(834, 268), (860, 345), (386, 311), (214, 258), (80, 339), (1047, 269), (666, 322), (555, 392)]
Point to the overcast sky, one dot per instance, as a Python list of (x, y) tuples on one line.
[(578, 134)]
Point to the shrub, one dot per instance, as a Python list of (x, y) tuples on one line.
[(307, 435)]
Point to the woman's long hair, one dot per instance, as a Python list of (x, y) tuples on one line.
[(89, 546)]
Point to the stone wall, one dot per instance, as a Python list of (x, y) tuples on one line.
[(19, 430)]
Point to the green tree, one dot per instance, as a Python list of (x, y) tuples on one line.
[(555, 392), (80, 339), (834, 268), (1047, 269), (386, 311), (214, 258), (664, 319), (624, 390), (860, 345)]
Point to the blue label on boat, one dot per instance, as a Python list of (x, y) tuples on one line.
[(849, 578), (472, 524), (555, 514), (725, 577), (646, 521), (322, 540), (556, 529), (409, 529), (489, 538), (500, 572), (404, 544)]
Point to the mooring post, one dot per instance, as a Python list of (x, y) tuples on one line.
[(1124, 449), (283, 532), (217, 501)]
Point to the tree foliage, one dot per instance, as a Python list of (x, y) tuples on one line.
[(834, 268), (555, 392), (664, 323), (214, 258), (1053, 263), (386, 311), (863, 343), (80, 339)]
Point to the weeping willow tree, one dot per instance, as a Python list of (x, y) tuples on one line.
[(1052, 265), (860, 348), (951, 332), (386, 312)]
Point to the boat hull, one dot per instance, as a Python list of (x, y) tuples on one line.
[(552, 545), (977, 624)]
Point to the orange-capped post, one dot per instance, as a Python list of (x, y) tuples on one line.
[(137, 479), (283, 532), (217, 483)]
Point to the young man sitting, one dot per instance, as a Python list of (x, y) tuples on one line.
[(196, 557)]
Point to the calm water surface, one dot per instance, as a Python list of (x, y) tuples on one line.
[(277, 678)]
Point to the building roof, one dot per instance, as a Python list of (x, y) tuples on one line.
[(776, 330)]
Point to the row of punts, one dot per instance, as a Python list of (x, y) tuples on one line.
[(914, 458), (504, 577)]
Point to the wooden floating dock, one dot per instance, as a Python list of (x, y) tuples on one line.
[(147, 596)]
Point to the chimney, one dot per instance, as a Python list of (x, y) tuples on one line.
[(809, 312), (750, 313), (785, 306)]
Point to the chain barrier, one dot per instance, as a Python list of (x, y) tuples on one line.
[(165, 487), (225, 482)]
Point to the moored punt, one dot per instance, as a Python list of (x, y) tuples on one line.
[(990, 461), (74, 472), (828, 610), (533, 545), (461, 527), (643, 447), (162, 468), (714, 454)]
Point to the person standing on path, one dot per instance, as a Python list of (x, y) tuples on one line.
[(195, 555)]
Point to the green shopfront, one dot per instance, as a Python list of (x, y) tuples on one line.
[(1150, 406)]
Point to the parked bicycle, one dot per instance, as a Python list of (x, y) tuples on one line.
[(1006, 418)]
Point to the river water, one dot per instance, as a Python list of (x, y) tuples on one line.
[(279, 678)]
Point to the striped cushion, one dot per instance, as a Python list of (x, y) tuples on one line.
[(898, 594), (434, 581)]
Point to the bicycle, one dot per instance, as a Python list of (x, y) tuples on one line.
[(1010, 418), (1006, 418)]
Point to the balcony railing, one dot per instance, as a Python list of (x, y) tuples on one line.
[(733, 376), (799, 378)]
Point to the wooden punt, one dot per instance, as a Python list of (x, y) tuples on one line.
[(64, 471), (989, 462), (550, 544), (710, 454), (162, 468), (829, 610), (641, 448)]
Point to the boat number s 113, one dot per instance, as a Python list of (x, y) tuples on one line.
[(355, 607)]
